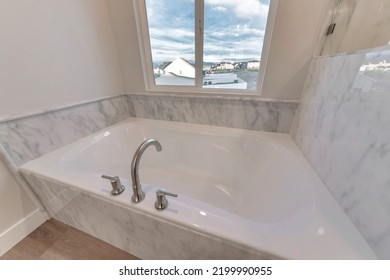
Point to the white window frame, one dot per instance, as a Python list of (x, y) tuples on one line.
[(147, 61)]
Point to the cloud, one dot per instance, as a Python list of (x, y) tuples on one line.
[(220, 9), (168, 43), (216, 51), (167, 50), (245, 9), (234, 29), (245, 33), (233, 45), (182, 34)]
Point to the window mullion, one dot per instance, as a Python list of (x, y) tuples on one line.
[(144, 42), (199, 27)]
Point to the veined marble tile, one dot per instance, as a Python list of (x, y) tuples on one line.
[(343, 127), (28, 138), (238, 113), (133, 231)]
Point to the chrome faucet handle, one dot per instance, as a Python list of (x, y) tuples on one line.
[(117, 187), (161, 200)]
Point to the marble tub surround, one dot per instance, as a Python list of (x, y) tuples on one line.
[(28, 137), (236, 112), (343, 127), (133, 231)]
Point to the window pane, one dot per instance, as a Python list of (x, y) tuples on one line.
[(172, 40), (233, 40)]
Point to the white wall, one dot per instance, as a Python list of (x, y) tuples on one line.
[(125, 32), (55, 53), (14, 202), (52, 54), (296, 32), (297, 29), (18, 214), (359, 25)]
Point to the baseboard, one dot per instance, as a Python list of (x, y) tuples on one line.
[(20, 230)]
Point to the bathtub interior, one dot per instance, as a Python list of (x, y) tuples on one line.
[(244, 175)]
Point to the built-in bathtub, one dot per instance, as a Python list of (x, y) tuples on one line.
[(241, 194)]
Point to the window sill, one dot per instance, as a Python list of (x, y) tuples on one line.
[(212, 96)]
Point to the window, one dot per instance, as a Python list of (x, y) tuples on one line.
[(203, 45)]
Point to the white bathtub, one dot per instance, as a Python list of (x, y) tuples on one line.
[(252, 189)]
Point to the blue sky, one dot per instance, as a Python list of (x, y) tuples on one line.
[(233, 29)]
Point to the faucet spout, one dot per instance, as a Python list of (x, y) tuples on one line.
[(138, 194)]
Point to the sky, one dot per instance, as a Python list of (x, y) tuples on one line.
[(233, 29)]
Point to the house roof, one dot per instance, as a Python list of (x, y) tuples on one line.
[(164, 65), (193, 64)]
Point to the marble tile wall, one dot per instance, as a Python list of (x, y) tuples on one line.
[(343, 127), (140, 234), (32, 136), (254, 114)]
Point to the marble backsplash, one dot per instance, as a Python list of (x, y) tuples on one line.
[(246, 113), (343, 127), (29, 137)]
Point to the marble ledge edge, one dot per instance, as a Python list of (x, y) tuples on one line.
[(228, 97)]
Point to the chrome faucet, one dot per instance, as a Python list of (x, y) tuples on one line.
[(138, 194)]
